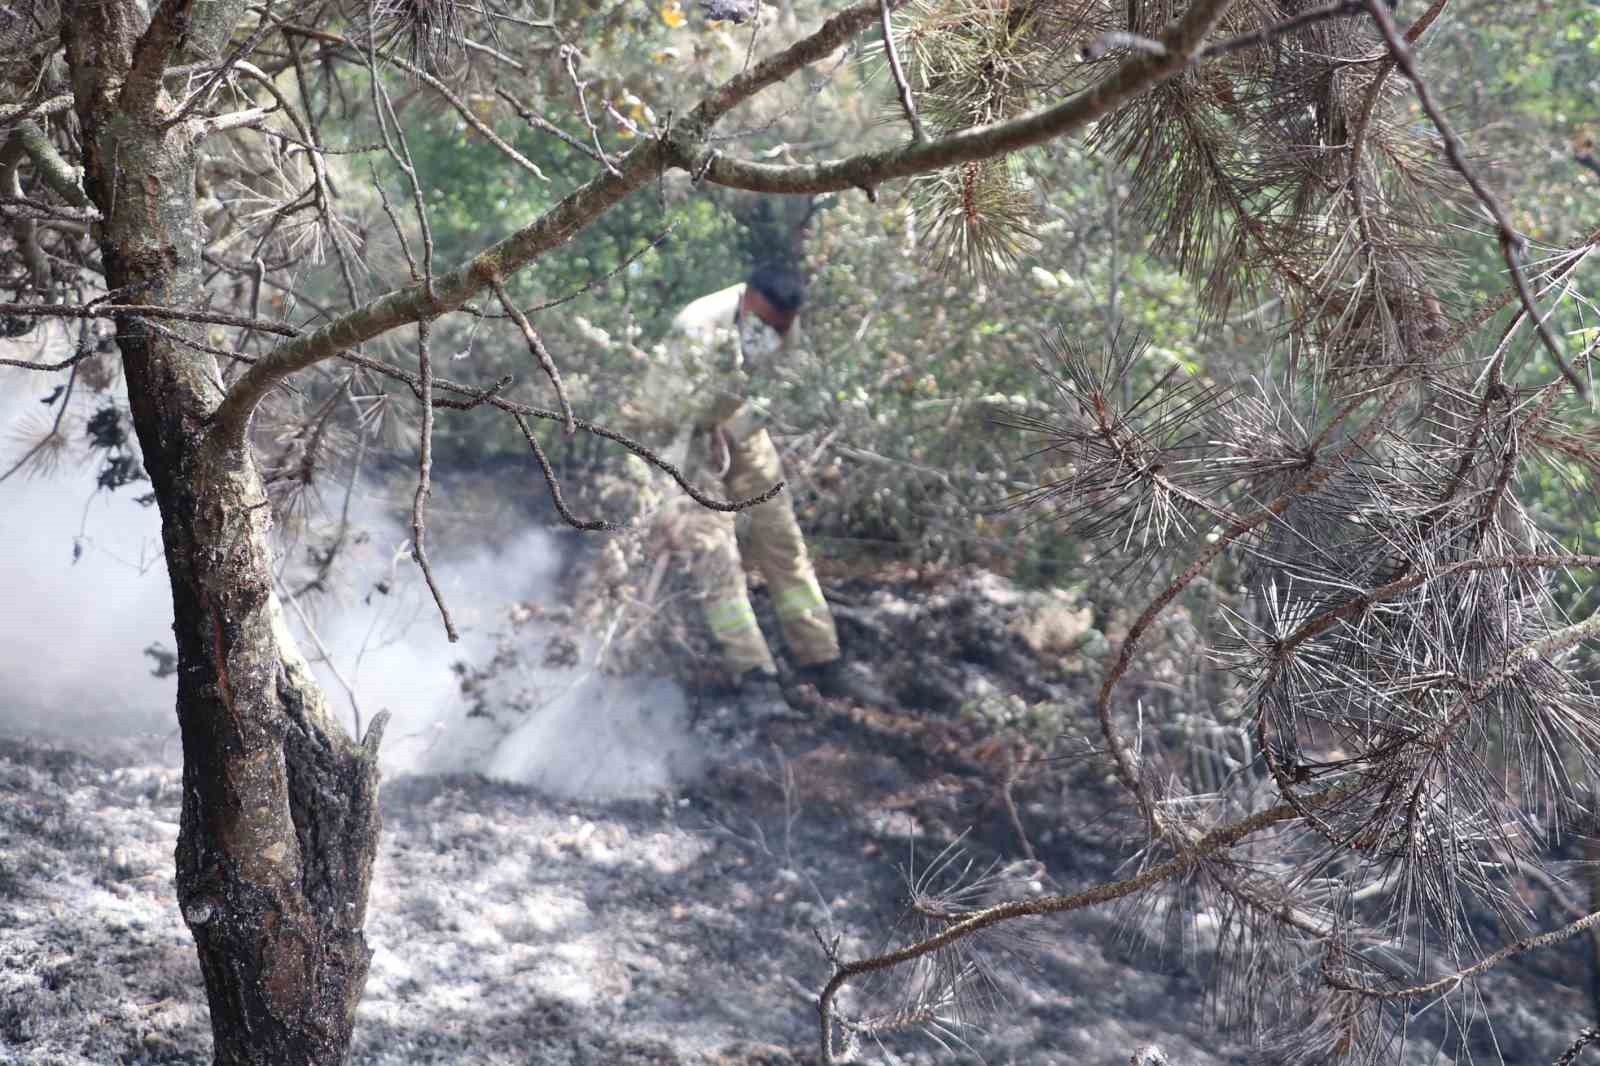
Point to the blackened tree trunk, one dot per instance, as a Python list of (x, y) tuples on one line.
[(280, 822)]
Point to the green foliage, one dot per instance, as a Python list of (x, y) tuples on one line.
[(926, 307)]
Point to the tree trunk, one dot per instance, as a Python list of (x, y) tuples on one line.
[(280, 819)]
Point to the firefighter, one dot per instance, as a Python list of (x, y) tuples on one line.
[(699, 385)]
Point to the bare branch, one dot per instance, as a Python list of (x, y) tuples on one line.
[(419, 502), (907, 103), (491, 397), (1484, 965), (110, 310), (540, 123), (1133, 77), (540, 352), (233, 120), (1267, 34), (592, 526), (245, 48), (570, 57)]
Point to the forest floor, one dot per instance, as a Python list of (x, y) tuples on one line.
[(688, 927)]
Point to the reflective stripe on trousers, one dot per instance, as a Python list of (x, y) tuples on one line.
[(778, 549), (799, 599), (775, 545), (729, 616)]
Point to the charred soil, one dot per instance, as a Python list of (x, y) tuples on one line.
[(510, 926)]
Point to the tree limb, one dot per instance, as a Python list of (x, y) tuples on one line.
[(685, 147), (156, 46), (1134, 76)]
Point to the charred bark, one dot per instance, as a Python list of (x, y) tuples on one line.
[(280, 818)]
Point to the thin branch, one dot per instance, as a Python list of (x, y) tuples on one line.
[(419, 502), (1205, 846), (592, 526), (471, 118), (108, 310), (1266, 34), (327, 657), (233, 120), (540, 123), (1135, 76), (1356, 604), (1452, 980), (540, 352), (907, 103), (600, 282), (492, 398), (570, 57)]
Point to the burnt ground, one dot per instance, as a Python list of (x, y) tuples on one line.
[(513, 927)]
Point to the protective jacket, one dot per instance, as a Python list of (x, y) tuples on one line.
[(695, 392)]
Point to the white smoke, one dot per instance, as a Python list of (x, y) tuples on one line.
[(87, 593), (85, 585)]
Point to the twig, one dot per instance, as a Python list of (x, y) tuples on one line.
[(419, 502), (539, 122), (233, 120), (570, 57), (394, 224), (210, 349), (907, 103), (655, 242), (491, 397), (1586, 1036), (1209, 844), (595, 525), (1336, 9), (1356, 604), (1483, 965), (1010, 799), (110, 310), (326, 558), (540, 352), (1511, 242), (401, 154)]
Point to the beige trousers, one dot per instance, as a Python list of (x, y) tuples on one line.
[(772, 542)]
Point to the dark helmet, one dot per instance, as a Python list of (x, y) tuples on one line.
[(782, 285)]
